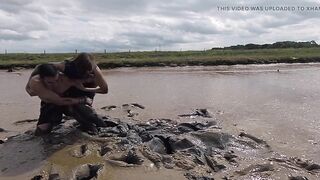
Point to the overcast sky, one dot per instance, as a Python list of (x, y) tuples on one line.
[(120, 25)]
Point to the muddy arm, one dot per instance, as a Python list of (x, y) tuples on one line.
[(49, 96), (102, 86), (28, 88)]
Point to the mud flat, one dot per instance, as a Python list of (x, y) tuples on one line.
[(231, 122), (192, 146)]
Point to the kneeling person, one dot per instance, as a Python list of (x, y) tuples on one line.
[(50, 87)]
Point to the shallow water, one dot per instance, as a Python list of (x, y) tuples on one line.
[(281, 107)]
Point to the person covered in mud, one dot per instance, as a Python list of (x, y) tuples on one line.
[(51, 87), (84, 67)]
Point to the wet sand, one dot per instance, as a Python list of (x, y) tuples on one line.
[(280, 107)]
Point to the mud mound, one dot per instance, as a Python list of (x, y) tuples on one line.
[(197, 146)]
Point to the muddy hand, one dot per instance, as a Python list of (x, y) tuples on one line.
[(89, 101)]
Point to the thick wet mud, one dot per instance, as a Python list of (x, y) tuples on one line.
[(195, 147), (226, 122)]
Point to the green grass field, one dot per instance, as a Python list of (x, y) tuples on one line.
[(173, 58)]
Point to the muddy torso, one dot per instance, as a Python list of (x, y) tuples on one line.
[(62, 85)]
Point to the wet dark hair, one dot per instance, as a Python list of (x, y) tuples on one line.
[(78, 67), (84, 62), (47, 70)]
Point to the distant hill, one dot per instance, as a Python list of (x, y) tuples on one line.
[(277, 45)]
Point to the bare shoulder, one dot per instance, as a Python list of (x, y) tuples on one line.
[(59, 65), (35, 80), (35, 85)]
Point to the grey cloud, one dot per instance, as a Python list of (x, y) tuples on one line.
[(119, 25), (115, 7), (14, 6), (22, 17), (187, 10), (199, 26), (151, 40), (90, 45), (6, 34)]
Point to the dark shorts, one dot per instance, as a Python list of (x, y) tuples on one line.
[(51, 113)]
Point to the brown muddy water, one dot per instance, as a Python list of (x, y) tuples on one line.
[(277, 103)]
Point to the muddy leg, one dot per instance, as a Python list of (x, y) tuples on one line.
[(89, 114), (50, 115)]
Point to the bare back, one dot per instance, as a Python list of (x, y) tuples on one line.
[(35, 85)]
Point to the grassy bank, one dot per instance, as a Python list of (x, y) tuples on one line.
[(173, 58)]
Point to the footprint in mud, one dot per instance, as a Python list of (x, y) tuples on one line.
[(131, 113), (213, 164), (256, 168), (297, 178), (37, 177), (25, 121), (80, 151), (105, 149), (128, 110), (185, 164), (255, 139), (51, 177), (230, 156), (195, 126), (151, 155), (128, 159), (108, 108), (136, 105), (194, 176), (87, 171), (198, 112)]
